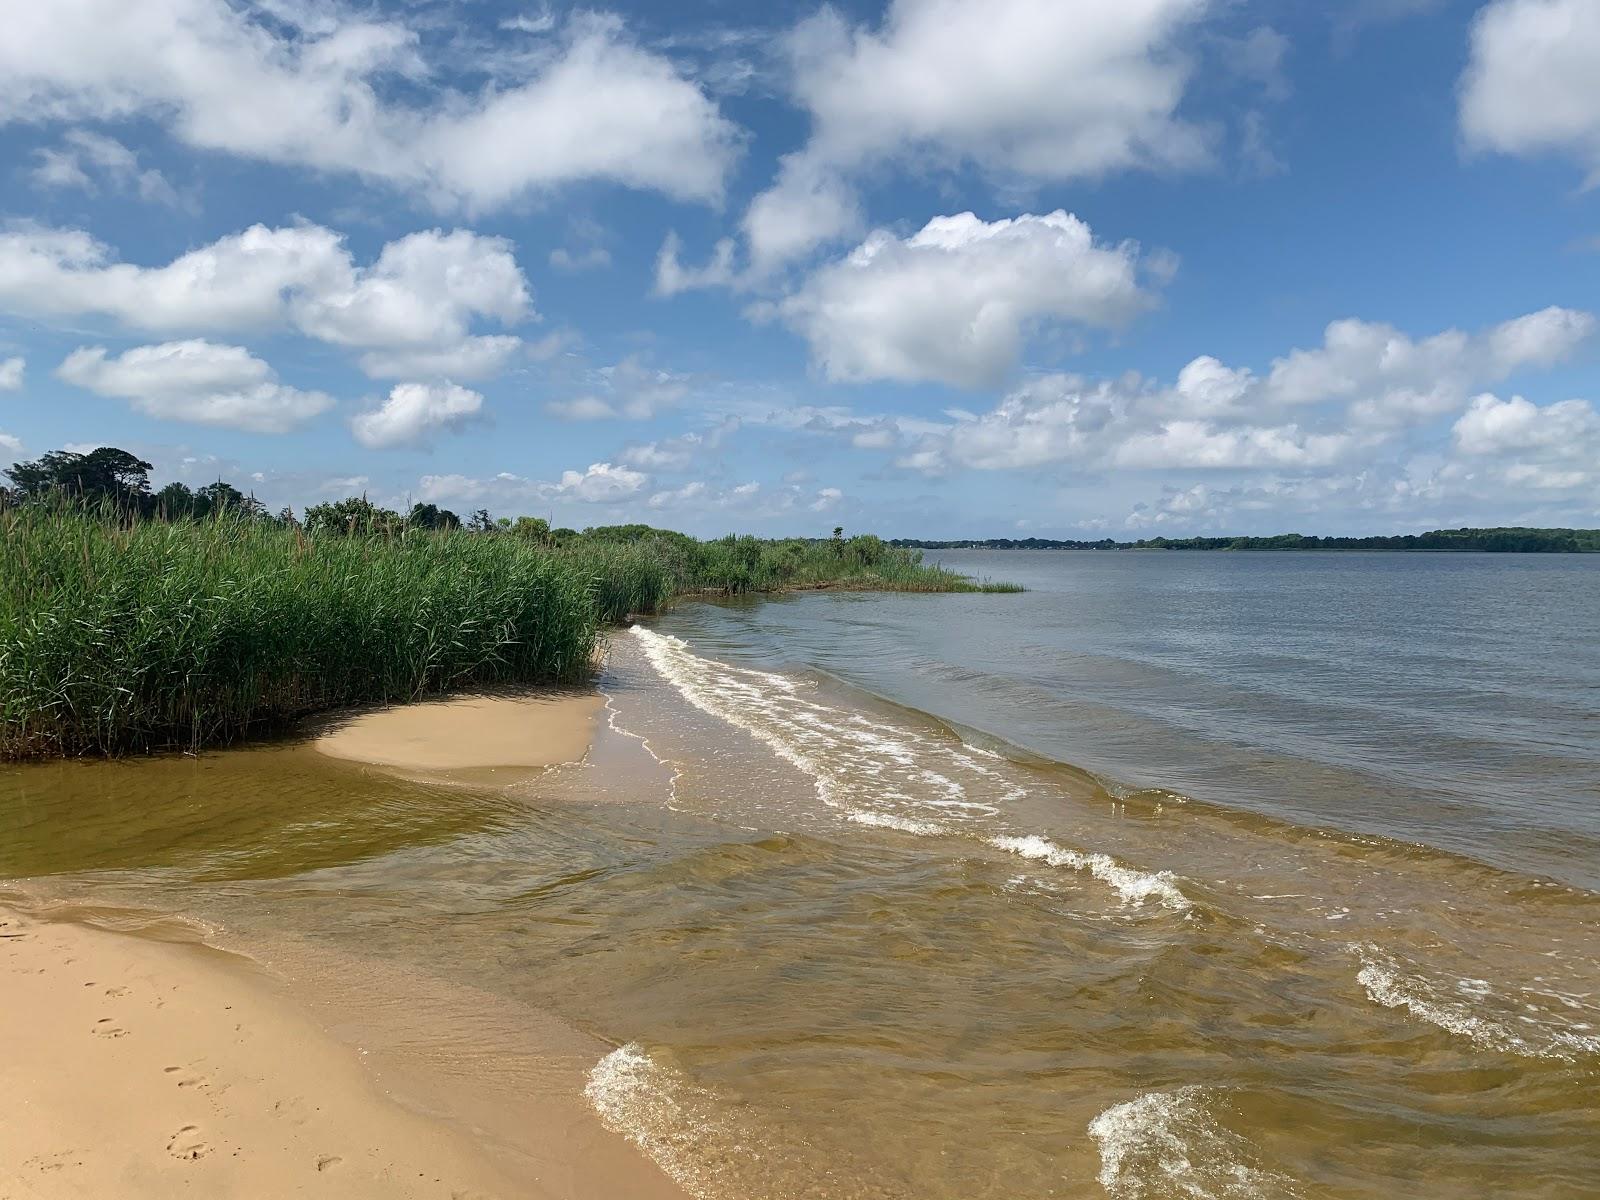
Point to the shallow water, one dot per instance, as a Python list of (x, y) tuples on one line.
[(845, 950)]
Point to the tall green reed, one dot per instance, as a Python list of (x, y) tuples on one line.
[(121, 635)]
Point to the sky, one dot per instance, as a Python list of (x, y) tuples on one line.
[(931, 268)]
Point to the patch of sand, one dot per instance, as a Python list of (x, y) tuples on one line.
[(513, 733), (140, 1069), (135, 1068)]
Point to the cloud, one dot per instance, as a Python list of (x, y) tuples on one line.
[(196, 381), (11, 371), (1529, 85), (357, 96), (586, 246), (1021, 89), (471, 358), (1392, 379), (601, 483), (10, 443), (627, 390), (673, 277), (422, 295), (1554, 447), (85, 156), (955, 302), (677, 453), (415, 413), (751, 501), (1313, 409)]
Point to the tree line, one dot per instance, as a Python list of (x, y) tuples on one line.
[(1511, 540), (111, 479)]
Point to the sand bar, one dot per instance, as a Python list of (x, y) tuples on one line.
[(516, 733)]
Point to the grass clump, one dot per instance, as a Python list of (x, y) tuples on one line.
[(150, 635)]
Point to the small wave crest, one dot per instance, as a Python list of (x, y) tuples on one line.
[(880, 775), (1135, 887), (1167, 1143), (658, 1111), (857, 764), (1475, 1013)]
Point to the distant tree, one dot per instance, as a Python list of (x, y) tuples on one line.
[(104, 474), (481, 522), (431, 516), (221, 497), (356, 516), (285, 518), (531, 529), (176, 502)]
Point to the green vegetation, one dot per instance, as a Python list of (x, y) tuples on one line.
[(132, 621), (1513, 540)]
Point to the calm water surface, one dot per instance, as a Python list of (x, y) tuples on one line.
[(1178, 876)]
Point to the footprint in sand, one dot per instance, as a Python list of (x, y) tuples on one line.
[(328, 1162), (186, 1078), (187, 1144), (107, 1028), (114, 992)]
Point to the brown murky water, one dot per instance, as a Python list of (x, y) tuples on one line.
[(845, 953)]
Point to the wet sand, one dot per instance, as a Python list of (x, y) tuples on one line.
[(476, 735)]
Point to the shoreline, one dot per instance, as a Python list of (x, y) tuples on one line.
[(147, 1057)]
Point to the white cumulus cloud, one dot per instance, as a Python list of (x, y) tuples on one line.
[(358, 95), (197, 381), (956, 301), (1529, 87), (414, 413), (418, 302), (1029, 89), (11, 371)]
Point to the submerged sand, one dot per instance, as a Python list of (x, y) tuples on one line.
[(513, 733)]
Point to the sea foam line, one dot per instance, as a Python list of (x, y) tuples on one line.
[(1387, 985), (1166, 1143), (1135, 887), (878, 754)]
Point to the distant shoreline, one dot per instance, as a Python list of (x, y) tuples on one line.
[(1503, 540)]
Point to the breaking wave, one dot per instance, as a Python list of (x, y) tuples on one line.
[(881, 775), (1165, 1144), (1475, 1013)]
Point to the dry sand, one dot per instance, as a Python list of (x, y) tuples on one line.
[(473, 736), (135, 1068)]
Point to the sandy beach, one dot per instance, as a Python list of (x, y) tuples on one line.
[(139, 1061), (137, 1068)]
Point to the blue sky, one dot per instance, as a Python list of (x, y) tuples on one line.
[(937, 268)]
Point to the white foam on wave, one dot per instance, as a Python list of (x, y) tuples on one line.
[(903, 824), (855, 763), (1135, 887), (1508, 1032), (879, 775), (1165, 1144), (657, 1111)]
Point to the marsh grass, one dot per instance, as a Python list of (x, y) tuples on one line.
[(144, 635)]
